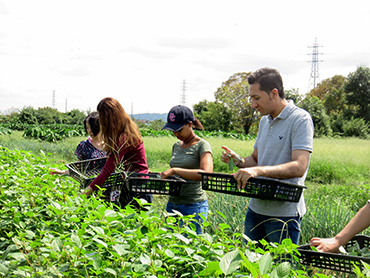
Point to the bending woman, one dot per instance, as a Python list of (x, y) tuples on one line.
[(90, 148), (122, 143), (190, 155)]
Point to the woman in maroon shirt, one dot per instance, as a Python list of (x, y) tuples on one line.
[(122, 143)]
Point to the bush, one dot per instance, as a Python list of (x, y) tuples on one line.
[(356, 127)]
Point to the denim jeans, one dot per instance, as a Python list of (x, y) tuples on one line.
[(272, 229), (190, 209)]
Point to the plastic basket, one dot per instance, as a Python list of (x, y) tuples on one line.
[(262, 188), (85, 171), (152, 184), (337, 262)]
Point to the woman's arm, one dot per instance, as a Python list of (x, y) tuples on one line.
[(55, 171), (206, 165), (357, 224)]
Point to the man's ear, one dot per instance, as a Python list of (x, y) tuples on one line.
[(275, 93)]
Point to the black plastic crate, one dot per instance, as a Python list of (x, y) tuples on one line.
[(262, 188), (335, 261), (153, 184), (85, 171)]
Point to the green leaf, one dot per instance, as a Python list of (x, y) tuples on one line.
[(110, 213), (169, 253), (211, 270), (3, 269), (222, 215), (97, 262), (17, 256), (29, 234), (249, 266), (145, 259), (182, 238), (100, 242), (111, 271), (56, 244), (189, 251), (265, 263), (74, 218), (98, 230), (230, 262), (120, 249), (281, 271), (76, 240)]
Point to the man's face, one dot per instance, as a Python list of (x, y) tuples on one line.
[(260, 100)]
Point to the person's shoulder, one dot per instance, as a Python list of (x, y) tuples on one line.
[(82, 144), (299, 112), (204, 144)]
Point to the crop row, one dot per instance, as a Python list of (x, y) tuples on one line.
[(56, 132), (48, 231)]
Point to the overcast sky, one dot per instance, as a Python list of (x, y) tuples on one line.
[(140, 52)]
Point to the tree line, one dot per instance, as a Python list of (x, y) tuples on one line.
[(339, 106)]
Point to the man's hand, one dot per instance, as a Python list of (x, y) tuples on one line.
[(228, 153), (243, 175)]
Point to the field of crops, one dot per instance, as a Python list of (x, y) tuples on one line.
[(47, 231)]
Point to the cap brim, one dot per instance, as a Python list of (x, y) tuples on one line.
[(173, 127)]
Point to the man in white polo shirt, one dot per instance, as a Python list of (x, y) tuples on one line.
[(282, 151)]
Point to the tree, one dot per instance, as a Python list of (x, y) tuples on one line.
[(358, 91), (234, 95), (293, 94), (331, 92), (214, 116), (315, 107), (75, 117), (48, 115), (157, 124), (27, 116)]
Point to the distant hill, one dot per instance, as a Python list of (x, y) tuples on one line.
[(151, 116)]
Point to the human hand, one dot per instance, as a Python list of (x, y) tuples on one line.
[(168, 173), (244, 174), (330, 245), (228, 153), (54, 171), (87, 191)]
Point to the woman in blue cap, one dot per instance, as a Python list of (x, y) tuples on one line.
[(190, 155)]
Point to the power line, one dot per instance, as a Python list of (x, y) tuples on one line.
[(314, 76)]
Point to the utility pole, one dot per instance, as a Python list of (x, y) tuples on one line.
[(183, 95), (314, 77), (66, 105), (53, 100)]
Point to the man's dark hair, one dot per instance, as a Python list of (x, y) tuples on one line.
[(268, 79)]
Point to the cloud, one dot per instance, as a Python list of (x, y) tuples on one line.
[(78, 71), (152, 54), (3, 9), (203, 44)]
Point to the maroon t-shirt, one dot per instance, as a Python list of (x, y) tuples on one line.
[(133, 159)]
